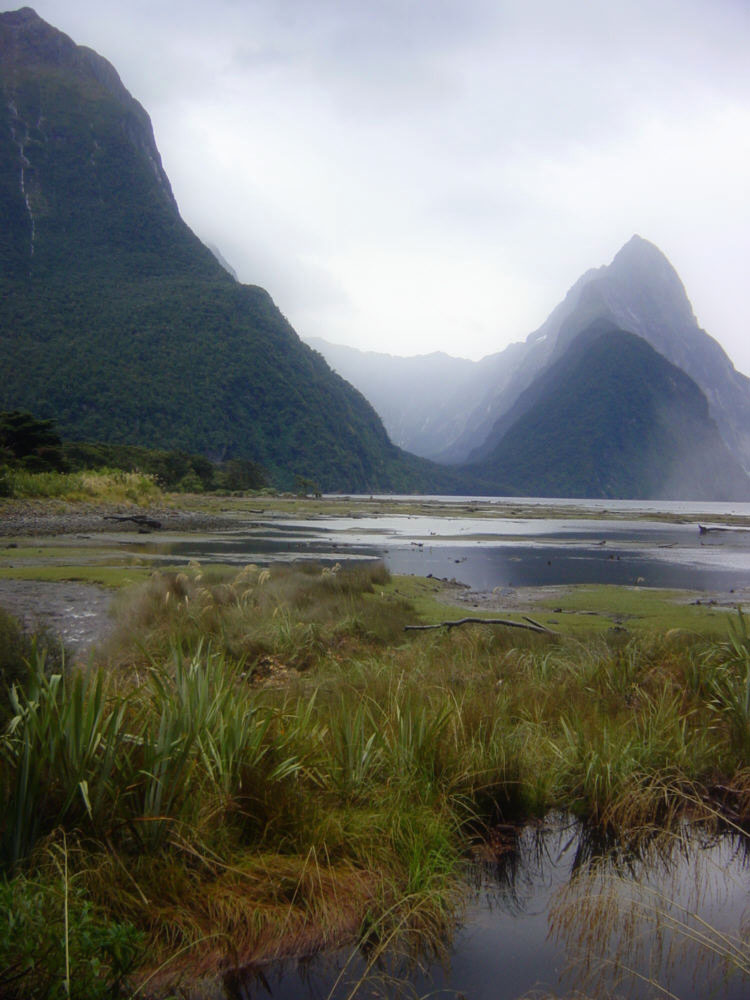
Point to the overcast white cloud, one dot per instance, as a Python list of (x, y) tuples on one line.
[(414, 175)]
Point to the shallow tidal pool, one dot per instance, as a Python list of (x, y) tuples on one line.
[(551, 912)]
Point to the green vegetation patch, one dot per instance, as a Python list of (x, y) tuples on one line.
[(574, 610), (101, 485), (595, 608), (106, 576), (54, 549), (434, 601)]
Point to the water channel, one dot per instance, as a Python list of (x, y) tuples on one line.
[(632, 543)]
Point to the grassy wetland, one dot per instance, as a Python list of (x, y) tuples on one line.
[(260, 762)]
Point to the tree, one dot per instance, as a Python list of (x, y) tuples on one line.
[(31, 443)]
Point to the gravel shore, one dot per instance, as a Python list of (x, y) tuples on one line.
[(42, 517)]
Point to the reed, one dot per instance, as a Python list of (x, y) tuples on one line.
[(614, 920)]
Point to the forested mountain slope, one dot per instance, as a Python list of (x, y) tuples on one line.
[(612, 418), (118, 322)]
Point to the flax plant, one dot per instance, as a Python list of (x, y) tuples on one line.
[(728, 665), (60, 753)]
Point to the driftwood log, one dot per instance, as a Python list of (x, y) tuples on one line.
[(140, 519), (527, 623)]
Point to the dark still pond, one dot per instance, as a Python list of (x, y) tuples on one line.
[(490, 552), (545, 920)]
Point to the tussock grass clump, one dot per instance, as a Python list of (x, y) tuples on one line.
[(17, 647), (304, 617), (229, 813)]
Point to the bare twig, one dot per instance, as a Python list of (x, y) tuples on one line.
[(529, 624)]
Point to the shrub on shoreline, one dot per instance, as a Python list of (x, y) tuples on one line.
[(115, 486)]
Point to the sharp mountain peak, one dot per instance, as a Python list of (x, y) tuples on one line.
[(29, 45), (25, 36)]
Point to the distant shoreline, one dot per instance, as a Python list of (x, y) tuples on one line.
[(53, 517)]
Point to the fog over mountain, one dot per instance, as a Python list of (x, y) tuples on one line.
[(409, 176), (409, 394), (639, 291), (120, 324), (610, 417)]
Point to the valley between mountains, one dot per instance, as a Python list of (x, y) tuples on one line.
[(121, 326)]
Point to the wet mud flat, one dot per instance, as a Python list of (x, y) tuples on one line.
[(77, 613), (501, 564), (528, 599)]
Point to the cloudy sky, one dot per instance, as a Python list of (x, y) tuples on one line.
[(418, 175)]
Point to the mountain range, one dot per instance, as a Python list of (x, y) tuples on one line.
[(116, 321), (639, 292), (610, 417)]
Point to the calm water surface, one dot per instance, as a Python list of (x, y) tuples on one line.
[(541, 918), (499, 551)]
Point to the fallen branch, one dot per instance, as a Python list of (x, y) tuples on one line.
[(528, 623), (141, 520)]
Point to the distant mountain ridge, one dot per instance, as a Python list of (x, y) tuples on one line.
[(639, 292), (610, 417), (642, 293), (118, 322), (407, 393)]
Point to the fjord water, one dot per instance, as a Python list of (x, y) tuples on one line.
[(646, 543)]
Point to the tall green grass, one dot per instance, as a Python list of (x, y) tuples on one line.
[(263, 761)]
